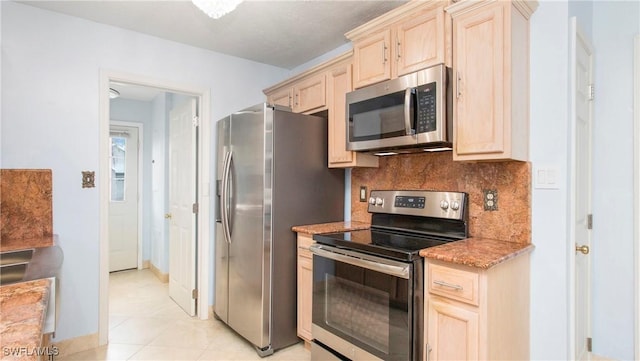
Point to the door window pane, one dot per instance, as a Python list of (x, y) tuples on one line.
[(118, 162)]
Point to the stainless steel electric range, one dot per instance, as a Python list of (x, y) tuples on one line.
[(368, 284)]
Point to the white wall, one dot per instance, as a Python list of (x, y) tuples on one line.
[(611, 26), (160, 177), (549, 134), (615, 23), (50, 74)]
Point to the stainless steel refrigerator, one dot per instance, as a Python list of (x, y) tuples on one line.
[(272, 174)]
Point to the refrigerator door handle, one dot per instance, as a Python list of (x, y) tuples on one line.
[(224, 209)]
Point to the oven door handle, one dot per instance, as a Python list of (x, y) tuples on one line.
[(378, 264)]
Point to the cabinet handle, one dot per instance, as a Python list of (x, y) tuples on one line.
[(384, 53), (397, 49), (458, 90), (448, 285), (297, 98)]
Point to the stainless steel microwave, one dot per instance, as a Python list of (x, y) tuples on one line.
[(409, 114)]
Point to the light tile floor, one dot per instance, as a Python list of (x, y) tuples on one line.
[(145, 324)]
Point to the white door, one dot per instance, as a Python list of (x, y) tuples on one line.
[(582, 95), (182, 197), (123, 202)]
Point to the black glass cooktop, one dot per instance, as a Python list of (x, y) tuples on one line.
[(399, 246)]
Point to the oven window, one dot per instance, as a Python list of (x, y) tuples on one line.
[(358, 310), (367, 308)]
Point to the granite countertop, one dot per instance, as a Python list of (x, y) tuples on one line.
[(24, 306), (331, 227), (480, 253)]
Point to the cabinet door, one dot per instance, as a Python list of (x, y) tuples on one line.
[(338, 85), (452, 331), (419, 42), (310, 94), (305, 291), (479, 83), (282, 97), (371, 59)]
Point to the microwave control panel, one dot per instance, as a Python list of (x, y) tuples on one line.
[(426, 108)]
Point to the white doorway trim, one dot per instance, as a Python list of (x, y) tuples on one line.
[(140, 152), (636, 189), (204, 165)]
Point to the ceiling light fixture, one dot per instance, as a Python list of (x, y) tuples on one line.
[(216, 8), (113, 93)]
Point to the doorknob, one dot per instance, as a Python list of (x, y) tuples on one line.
[(169, 216), (584, 249)]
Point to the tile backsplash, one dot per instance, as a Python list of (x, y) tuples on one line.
[(26, 215), (509, 217)]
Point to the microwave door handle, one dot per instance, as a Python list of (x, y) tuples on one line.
[(407, 112)]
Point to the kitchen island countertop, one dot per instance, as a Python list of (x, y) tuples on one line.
[(331, 227), (480, 253), (23, 305)]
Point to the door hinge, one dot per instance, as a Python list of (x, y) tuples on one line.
[(589, 344), (196, 121), (589, 221), (592, 92), (195, 208), (194, 293)]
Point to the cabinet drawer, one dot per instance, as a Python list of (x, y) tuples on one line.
[(305, 241), (453, 283)]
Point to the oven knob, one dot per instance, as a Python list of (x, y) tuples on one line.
[(379, 201), (444, 205), (455, 205), (372, 201)]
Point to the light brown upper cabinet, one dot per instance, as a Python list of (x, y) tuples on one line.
[(491, 79), (324, 88), (404, 40), (307, 94)]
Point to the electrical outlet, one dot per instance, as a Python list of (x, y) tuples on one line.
[(490, 199), (363, 193)]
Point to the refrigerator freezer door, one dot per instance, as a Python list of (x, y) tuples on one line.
[(249, 269), (221, 245)]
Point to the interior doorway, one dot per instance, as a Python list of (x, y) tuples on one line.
[(202, 97)]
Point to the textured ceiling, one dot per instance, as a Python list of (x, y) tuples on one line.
[(281, 33)]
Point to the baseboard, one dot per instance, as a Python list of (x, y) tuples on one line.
[(163, 277), (600, 358), (146, 264), (212, 308), (77, 344)]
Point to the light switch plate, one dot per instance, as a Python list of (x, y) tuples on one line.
[(546, 177)]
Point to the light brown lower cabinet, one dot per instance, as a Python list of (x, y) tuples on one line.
[(305, 287), (477, 314)]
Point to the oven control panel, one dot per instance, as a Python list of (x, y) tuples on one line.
[(451, 205)]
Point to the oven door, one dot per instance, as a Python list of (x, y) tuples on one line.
[(364, 306)]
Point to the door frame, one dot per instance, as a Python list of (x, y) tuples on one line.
[(203, 184), (140, 152), (636, 189)]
